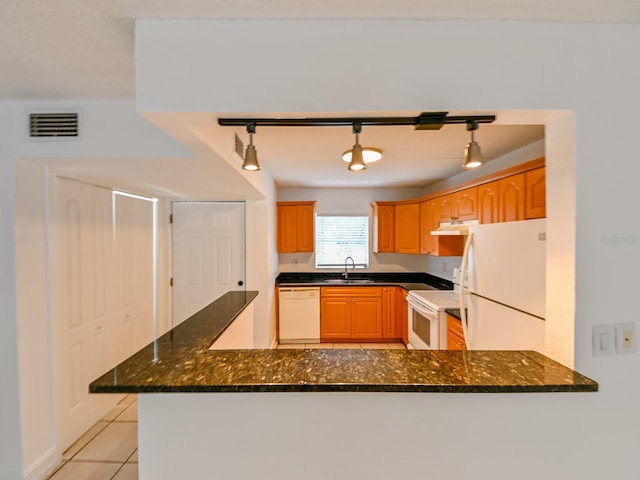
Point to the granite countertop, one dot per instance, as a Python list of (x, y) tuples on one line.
[(406, 280), (181, 361)]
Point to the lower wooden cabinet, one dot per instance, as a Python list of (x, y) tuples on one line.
[(357, 314), (402, 315), (350, 313), (390, 312), (455, 334)]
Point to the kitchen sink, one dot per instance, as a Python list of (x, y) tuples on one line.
[(342, 281)]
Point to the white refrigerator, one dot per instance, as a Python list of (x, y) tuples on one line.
[(504, 286)]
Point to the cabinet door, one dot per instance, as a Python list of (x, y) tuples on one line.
[(488, 202), (389, 312), (384, 228), (536, 194), (305, 228), (335, 318), (466, 204), (455, 334), (403, 316), (511, 204), (366, 320), (287, 237), (407, 228), (447, 211), (429, 221)]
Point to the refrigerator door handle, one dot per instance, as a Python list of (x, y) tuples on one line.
[(463, 291)]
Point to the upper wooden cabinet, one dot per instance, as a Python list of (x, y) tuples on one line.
[(488, 198), (535, 194), (384, 228), (436, 245), (296, 226), (517, 193), (462, 205), (407, 228), (511, 201)]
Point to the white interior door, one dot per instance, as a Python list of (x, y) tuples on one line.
[(81, 259), (133, 262), (208, 254)]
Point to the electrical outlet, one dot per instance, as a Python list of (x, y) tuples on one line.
[(625, 338), (603, 336)]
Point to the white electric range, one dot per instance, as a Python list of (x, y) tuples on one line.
[(427, 318)]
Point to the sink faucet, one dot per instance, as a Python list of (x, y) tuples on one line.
[(345, 274)]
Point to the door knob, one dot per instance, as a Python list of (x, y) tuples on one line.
[(240, 283)]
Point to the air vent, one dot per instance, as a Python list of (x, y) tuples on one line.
[(53, 125), (239, 147)]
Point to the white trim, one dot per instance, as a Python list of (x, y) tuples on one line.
[(43, 467)]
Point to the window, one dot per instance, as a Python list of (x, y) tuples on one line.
[(339, 237)]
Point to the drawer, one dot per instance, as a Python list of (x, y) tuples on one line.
[(351, 291), (454, 325), (454, 342)]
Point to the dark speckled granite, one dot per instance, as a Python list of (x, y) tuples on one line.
[(180, 361), (407, 280)]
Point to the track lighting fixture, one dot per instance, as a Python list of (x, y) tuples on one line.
[(359, 156), (472, 155), (357, 161), (251, 154)]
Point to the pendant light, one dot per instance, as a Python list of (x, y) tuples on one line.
[(251, 154), (369, 155), (472, 155), (357, 161)]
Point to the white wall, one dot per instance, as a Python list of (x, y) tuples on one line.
[(11, 453), (34, 346), (350, 201), (536, 68), (111, 133)]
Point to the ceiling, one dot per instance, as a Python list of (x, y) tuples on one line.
[(84, 49)]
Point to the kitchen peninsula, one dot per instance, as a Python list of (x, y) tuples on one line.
[(187, 426)]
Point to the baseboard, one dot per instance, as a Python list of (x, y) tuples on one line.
[(43, 467)]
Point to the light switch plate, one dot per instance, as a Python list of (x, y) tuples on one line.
[(603, 338), (625, 338)]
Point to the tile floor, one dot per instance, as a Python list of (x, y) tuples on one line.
[(108, 450)]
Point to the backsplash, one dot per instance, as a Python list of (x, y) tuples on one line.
[(441, 266)]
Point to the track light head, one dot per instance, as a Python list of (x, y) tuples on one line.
[(251, 154), (472, 155)]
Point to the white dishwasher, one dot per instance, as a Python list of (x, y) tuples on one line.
[(299, 314)]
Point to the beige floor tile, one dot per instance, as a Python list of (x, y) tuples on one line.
[(84, 439), (114, 413), (128, 400), (338, 346), (291, 345), (376, 346), (115, 443), (321, 346), (130, 414), (397, 346), (133, 458), (86, 471), (129, 471)]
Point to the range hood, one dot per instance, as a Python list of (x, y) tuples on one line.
[(454, 228)]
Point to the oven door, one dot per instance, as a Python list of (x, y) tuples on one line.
[(423, 326)]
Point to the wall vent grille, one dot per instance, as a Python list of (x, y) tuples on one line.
[(53, 125), (239, 147)]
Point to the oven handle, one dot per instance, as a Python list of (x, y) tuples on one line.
[(418, 308)]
